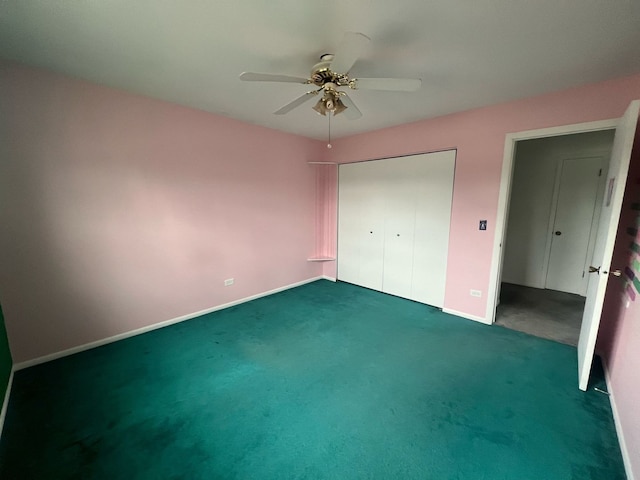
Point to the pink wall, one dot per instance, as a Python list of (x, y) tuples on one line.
[(119, 211), (479, 137), (624, 365), (72, 141), (619, 339)]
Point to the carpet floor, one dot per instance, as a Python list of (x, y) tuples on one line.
[(324, 381), (544, 313)]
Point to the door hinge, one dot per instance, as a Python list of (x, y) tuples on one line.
[(600, 173), (582, 273)]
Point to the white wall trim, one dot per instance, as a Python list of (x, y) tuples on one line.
[(326, 277), (505, 190), (466, 315), (626, 457), (5, 403), (608, 124), (155, 326)]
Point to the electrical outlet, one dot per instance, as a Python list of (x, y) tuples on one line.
[(475, 293), (228, 281)]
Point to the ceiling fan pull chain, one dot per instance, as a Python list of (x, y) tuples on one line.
[(329, 144)]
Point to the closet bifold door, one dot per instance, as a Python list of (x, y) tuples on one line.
[(399, 225), (361, 224), (371, 211), (349, 200), (393, 225), (432, 225)]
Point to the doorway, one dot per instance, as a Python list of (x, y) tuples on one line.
[(557, 189), (602, 267)]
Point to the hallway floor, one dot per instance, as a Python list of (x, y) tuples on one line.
[(543, 313)]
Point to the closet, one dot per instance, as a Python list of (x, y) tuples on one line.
[(393, 224)]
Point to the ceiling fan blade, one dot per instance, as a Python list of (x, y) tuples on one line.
[(394, 84), (352, 112), (269, 77), (296, 103), (349, 50)]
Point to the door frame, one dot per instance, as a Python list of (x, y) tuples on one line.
[(504, 195)]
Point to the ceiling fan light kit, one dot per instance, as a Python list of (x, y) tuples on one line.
[(330, 102)]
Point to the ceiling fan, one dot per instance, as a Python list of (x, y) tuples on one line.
[(332, 73)]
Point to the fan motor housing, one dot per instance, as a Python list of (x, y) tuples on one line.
[(322, 74)]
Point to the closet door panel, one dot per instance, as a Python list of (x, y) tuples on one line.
[(349, 226), (398, 260), (432, 224), (361, 224), (400, 192), (372, 224)]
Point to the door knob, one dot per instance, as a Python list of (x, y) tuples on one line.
[(616, 273), (557, 232), (594, 270)]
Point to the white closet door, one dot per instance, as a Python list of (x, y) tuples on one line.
[(400, 192), (371, 234), (361, 224), (432, 224), (393, 227), (351, 190)]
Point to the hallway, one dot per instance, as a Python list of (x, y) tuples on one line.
[(543, 313)]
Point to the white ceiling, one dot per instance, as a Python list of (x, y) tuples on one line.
[(468, 53)]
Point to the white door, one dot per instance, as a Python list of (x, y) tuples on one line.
[(433, 219), (361, 224), (393, 225), (399, 226), (605, 239), (349, 226), (575, 210), (372, 204)]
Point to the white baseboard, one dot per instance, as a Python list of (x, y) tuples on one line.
[(466, 315), (5, 403), (331, 279), (626, 457), (155, 326)]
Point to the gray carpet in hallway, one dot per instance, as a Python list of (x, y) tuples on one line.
[(544, 313)]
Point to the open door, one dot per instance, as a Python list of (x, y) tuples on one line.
[(600, 268)]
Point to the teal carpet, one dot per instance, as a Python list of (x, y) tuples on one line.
[(324, 381)]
